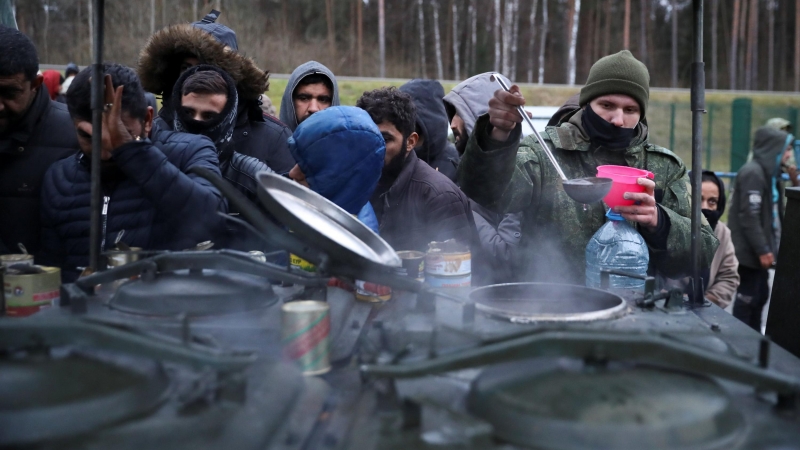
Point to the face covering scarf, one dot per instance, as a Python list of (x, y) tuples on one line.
[(219, 130), (603, 133)]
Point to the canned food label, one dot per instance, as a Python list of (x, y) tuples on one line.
[(306, 342), (372, 292), (29, 293), (449, 264), (449, 282), (300, 263)]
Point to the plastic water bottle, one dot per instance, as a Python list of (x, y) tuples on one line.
[(617, 245)]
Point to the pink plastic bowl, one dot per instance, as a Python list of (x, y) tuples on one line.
[(624, 179)]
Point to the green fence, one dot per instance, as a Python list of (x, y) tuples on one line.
[(727, 130)]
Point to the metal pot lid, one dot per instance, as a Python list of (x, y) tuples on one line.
[(564, 404), (534, 302), (319, 221), (206, 293), (47, 398)]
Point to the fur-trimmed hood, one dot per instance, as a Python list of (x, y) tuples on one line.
[(160, 61)]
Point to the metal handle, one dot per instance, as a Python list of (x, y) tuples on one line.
[(524, 115)]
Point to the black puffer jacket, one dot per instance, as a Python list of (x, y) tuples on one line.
[(151, 197), (422, 206), (432, 125), (44, 136), (751, 215)]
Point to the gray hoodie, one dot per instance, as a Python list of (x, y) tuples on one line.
[(288, 115), (470, 99)]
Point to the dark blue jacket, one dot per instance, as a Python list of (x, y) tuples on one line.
[(340, 150), (149, 195)]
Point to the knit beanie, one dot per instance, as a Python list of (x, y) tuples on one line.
[(619, 73)]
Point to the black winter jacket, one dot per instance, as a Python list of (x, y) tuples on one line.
[(432, 125), (750, 217), (152, 198), (44, 136), (421, 206)]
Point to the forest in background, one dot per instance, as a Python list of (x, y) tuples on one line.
[(748, 44)]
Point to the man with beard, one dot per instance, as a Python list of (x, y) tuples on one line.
[(149, 197), (468, 101), (34, 133), (172, 50), (432, 146), (414, 203), (312, 88), (505, 175)]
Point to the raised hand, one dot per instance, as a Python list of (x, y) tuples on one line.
[(503, 114)]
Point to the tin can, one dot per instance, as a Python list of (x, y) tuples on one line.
[(305, 331), (20, 258), (414, 264), (372, 293), (448, 264), (26, 294), (258, 255), (118, 258)]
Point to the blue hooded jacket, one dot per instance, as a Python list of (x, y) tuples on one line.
[(341, 151)]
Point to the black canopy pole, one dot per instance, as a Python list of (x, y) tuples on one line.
[(97, 135), (698, 109)]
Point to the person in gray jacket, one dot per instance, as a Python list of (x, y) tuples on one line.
[(312, 87), (498, 234), (752, 220)]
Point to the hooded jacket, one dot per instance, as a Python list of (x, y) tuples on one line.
[(723, 277), (470, 99), (43, 136), (751, 215), (341, 151), (240, 170), (255, 134), (153, 199), (288, 114), (517, 176), (432, 125)]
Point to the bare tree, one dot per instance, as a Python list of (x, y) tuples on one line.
[(714, 14), (674, 14), (382, 37), (152, 16), (422, 61), (331, 30), (771, 7), (514, 40), (497, 35), (532, 25), (572, 28), (626, 28), (360, 35), (643, 30), (508, 19), (737, 4), (473, 21), (46, 29), (456, 62), (797, 46), (543, 40), (438, 40), (751, 40), (194, 11)]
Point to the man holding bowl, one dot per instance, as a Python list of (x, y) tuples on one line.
[(609, 128)]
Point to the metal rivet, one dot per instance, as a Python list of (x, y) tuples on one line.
[(21, 149), (244, 134)]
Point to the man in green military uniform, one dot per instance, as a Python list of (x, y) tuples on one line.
[(506, 175)]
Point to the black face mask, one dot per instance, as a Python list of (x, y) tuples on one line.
[(603, 133), (712, 217)]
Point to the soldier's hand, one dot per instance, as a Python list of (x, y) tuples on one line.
[(503, 113), (767, 260), (645, 210), (792, 171)]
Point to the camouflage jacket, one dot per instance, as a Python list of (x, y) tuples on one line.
[(518, 177)]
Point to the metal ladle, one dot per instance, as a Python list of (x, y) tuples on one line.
[(582, 190)]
